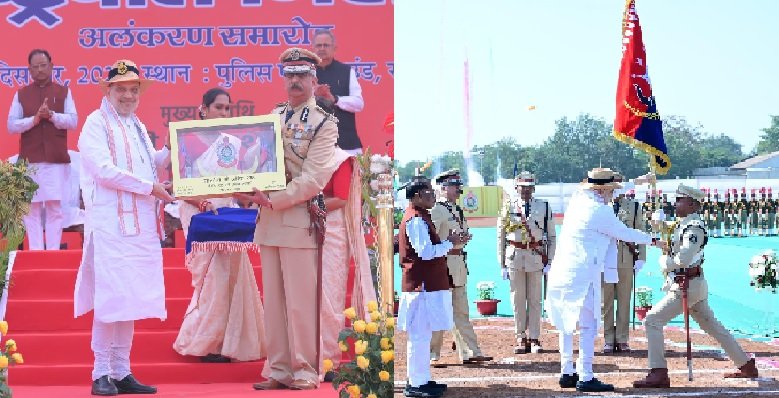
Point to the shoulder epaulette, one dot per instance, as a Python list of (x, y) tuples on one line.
[(328, 115)]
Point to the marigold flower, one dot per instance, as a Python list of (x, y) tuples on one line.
[(390, 323), (350, 313), (3, 361), (3, 328), (385, 343), (384, 375), (354, 391), (372, 328), (10, 344), (363, 362), (387, 356), (373, 306), (375, 316), (360, 347), (359, 326), (327, 365), (17, 357), (343, 346)]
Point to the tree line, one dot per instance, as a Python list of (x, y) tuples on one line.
[(585, 142)]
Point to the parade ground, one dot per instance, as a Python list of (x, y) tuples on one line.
[(744, 311), (748, 314), (536, 375)]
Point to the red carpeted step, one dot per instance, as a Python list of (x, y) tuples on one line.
[(57, 315), (69, 374)]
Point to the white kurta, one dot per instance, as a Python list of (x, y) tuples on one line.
[(50, 177), (121, 271), (586, 246)]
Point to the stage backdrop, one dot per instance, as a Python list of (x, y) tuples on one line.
[(190, 46)]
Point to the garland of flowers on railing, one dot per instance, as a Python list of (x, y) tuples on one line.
[(16, 192)]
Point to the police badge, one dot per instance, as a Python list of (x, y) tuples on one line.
[(227, 154)]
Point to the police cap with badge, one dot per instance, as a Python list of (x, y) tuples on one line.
[(450, 178)]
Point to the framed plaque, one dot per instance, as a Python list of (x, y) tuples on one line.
[(217, 157)]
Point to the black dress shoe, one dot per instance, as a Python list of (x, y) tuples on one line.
[(215, 358), (129, 385), (593, 385), (569, 381), (436, 386), (423, 391), (104, 387)]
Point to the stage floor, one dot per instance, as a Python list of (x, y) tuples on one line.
[(220, 390)]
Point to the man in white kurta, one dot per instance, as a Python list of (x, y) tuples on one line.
[(586, 249), (120, 276), (41, 113)]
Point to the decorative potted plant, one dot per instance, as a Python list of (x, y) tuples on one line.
[(643, 301), (763, 271), (487, 304)]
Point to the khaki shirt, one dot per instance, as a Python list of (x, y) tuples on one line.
[(540, 212), (447, 221), (631, 215), (309, 158), (689, 237)]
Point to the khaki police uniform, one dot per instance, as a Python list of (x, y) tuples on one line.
[(629, 212), (525, 266), (288, 250), (447, 218), (686, 255)]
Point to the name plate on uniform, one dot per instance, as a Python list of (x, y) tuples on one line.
[(217, 157)]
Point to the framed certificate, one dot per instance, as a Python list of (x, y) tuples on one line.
[(218, 157)]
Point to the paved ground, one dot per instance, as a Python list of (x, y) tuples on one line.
[(536, 375)]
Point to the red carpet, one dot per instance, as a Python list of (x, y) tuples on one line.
[(224, 390), (56, 347)]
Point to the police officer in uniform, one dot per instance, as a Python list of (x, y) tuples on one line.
[(742, 214), (727, 214), (288, 249), (684, 259), (526, 243), (448, 218), (772, 206), (717, 210), (630, 259)]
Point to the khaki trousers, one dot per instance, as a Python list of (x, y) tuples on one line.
[(671, 306), (525, 288), (289, 294), (620, 291), (464, 335)]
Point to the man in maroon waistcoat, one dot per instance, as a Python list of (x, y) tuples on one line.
[(426, 302), (43, 112)]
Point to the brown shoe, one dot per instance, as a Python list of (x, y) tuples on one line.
[(523, 347), (623, 347), (746, 371), (302, 385), (269, 384), (657, 378)]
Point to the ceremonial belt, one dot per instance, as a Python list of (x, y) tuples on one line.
[(455, 252), (691, 272), (525, 246)]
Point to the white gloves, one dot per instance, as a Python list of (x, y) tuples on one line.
[(505, 274), (546, 269), (639, 264), (663, 260)]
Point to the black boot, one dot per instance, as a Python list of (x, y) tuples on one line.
[(593, 385), (568, 381), (129, 385), (103, 386)]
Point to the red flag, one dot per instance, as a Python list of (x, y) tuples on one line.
[(637, 121)]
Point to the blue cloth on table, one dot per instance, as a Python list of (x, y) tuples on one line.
[(230, 225)]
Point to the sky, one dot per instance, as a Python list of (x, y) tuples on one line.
[(711, 61)]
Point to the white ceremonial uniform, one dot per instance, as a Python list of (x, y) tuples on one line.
[(120, 276), (422, 313), (50, 177), (586, 250)]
